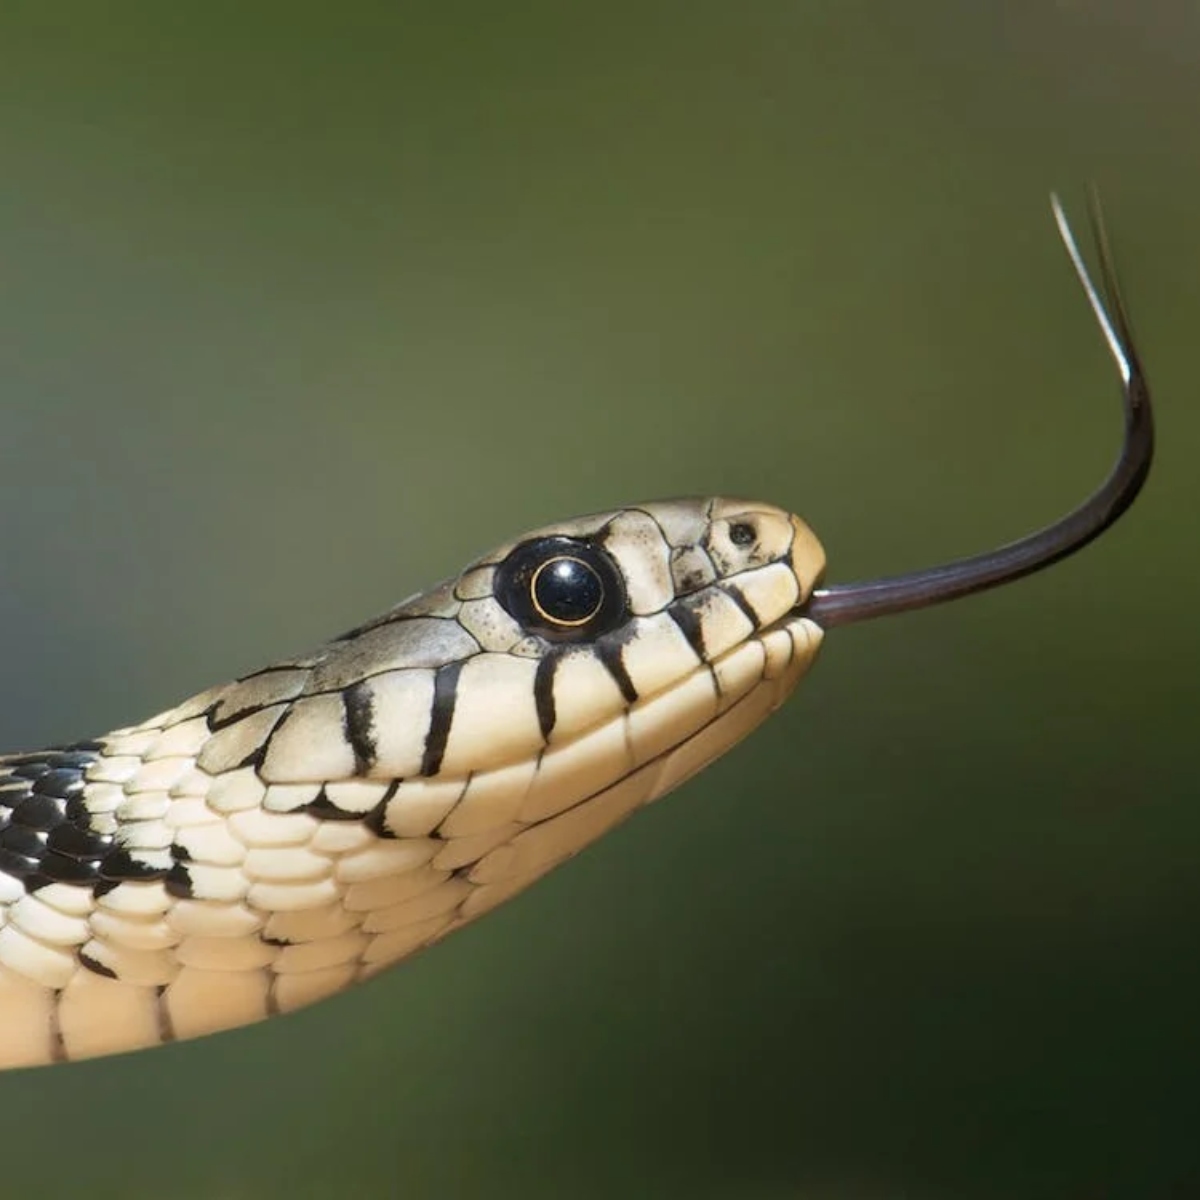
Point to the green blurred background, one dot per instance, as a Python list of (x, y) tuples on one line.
[(304, 305)]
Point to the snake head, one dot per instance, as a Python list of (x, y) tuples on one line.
[(580, 656), (607, 613)]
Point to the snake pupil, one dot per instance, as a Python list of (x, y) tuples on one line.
[(567, 591)]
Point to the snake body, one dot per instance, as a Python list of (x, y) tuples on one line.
[(272, 841)]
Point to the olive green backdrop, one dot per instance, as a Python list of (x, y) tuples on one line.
[(301, 306)]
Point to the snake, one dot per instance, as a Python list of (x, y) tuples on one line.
[(274, 840)]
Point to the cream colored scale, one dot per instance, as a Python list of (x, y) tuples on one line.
[(272, 841)]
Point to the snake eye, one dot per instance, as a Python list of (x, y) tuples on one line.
[(562, 588), (566, 591)]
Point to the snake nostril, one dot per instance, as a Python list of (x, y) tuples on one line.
[(743, 533)]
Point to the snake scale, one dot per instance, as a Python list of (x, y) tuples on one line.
[(274, 840)]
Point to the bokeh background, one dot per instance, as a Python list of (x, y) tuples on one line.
[(304, 305)]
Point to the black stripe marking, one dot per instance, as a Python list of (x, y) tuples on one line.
[(376, 819), (358, 725), (690, 625), (445, 694), (543, 692), (610, 653), (735, 594)]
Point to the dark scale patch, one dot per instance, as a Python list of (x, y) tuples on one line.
[(324, 809), (39, 811), (118, 864), (177, 882), (25, 769), (45, 830), (58, 868), (19, 866), (445, 694), (358, 725), (73, 839), (20, 839), (61, 782)]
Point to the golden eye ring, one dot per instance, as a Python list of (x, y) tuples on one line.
[(566, 591)]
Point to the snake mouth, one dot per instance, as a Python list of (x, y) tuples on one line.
[(800, 611)]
